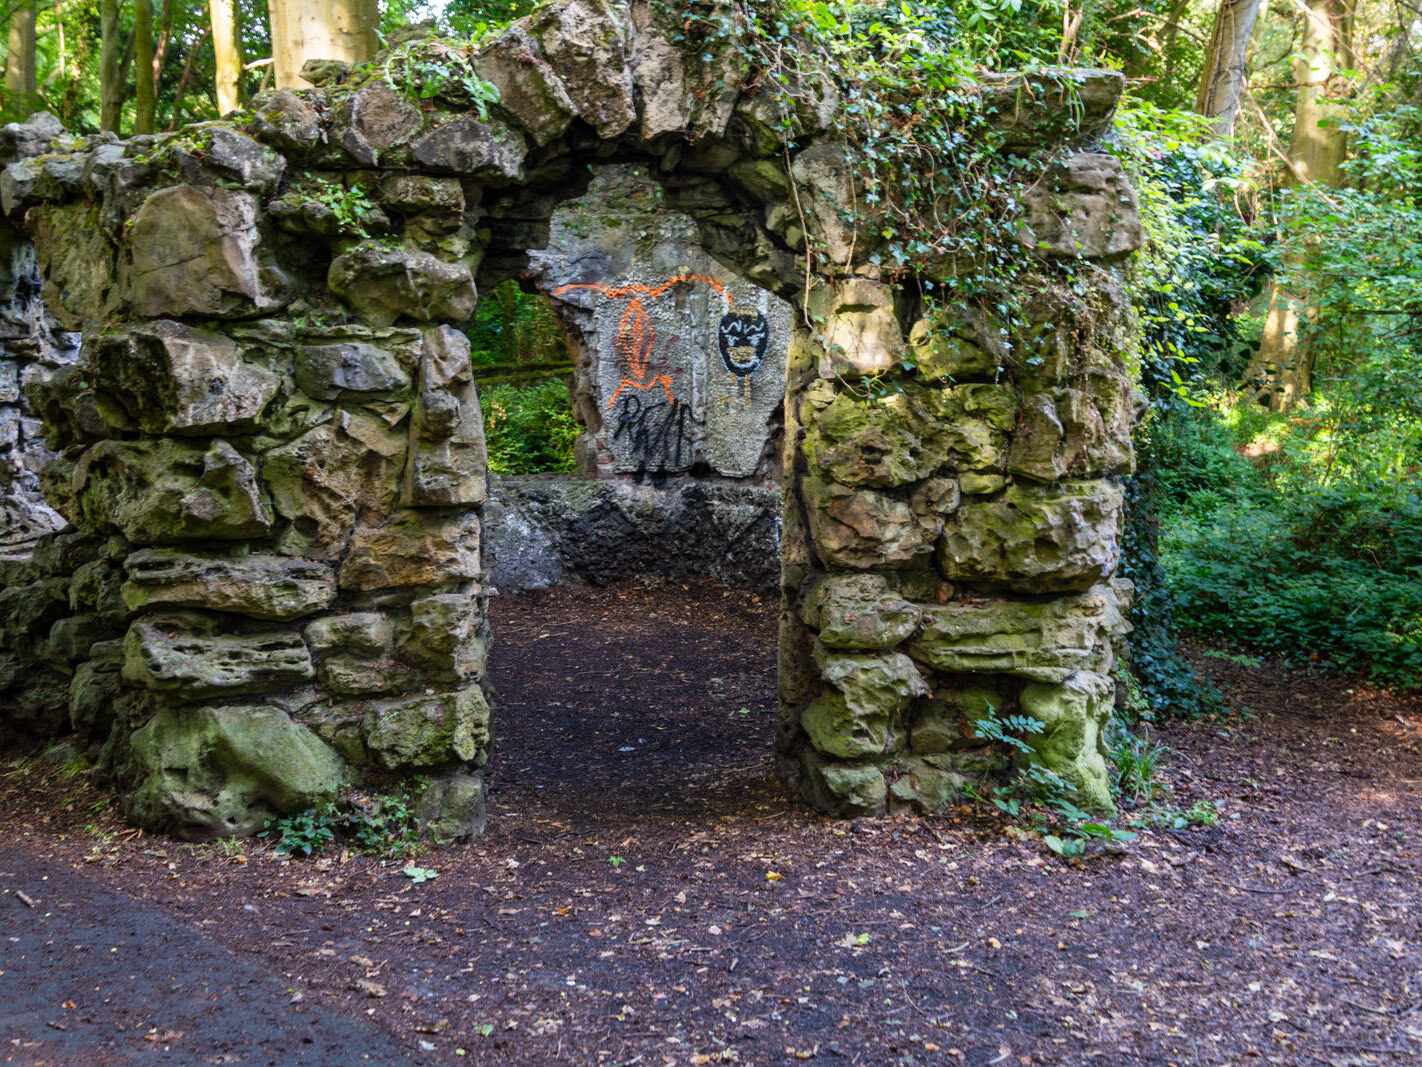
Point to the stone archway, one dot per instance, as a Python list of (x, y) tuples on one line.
[(272, 446)]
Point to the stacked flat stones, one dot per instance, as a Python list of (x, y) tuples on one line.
[(271, 449)]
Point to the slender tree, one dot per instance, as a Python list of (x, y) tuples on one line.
[(320, 29), (1283, 365), (145, 97), (1225, 63), (110, 72), (227, 53), (20, 58)]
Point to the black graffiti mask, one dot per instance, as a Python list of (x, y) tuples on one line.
[(743, 339)]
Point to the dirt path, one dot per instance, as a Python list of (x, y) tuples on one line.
[(648, 895)]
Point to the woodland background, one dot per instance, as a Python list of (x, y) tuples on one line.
[(1277, 149)]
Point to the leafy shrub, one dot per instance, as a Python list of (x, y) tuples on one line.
[(1325, 576), (529, 428)]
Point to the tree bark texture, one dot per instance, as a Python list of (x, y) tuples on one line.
[(20, 59), (110, 74), (1226, 69), (227, 52), (1282, 368), (145, 96), (320, 29)]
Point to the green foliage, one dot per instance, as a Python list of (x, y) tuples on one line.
[(383, 826), (1136, 764), (305, 832), (435, 68), (512, 327), (529, 429), (1036, 794), (351, 204)]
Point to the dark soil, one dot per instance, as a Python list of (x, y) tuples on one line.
[(648, 894)]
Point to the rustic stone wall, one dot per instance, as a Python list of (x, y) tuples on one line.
[(709, 410), (271, 451)]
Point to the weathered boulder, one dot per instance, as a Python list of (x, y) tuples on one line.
[(444, 637), (448, 463), (1036, 539), (374, 120), (1085, 209), (489, 151), (861, 713), (258, 586), (427, 731), (585, 41), (95, 688), (287, 121), (355, 654), (235, 157), (383, 282), (167, 377), (861, 333), (452, 808), (412, 548), (1042, 641), (77, 262), (859, 611), (183, 657), (349, 370), (220, 771), (872, 441), (165, 492), (322, 481), (825, 176), (864, 528), (949, 344), (845, 789), (529, 89), (196, 250), (1075, 432), (921, 785), (1074, 713)]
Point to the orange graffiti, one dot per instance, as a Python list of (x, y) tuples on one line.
[(636, 338)]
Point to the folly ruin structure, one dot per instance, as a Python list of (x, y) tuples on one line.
[(254, 411)]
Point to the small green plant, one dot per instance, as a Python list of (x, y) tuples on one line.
[(1136, 761), (420, 875), (305, 832), (351, 206), (1037, 793), (433, 68), (616, 861)]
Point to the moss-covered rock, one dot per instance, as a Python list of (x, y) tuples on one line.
[(1040, 640), (845, 789), (218, 771), (183, 657), (166, 492), (1036, 539), (428, 731), (1074, 714), (859, 611)]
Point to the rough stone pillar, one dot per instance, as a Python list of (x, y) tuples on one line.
[(287, 500), (953, 523)]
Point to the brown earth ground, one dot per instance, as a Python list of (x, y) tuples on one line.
[(648, 894)]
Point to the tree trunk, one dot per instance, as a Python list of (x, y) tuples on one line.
[(1225, 68), (20, 59), (1317, 147), (227, 50), (145, 97), (1282, 369), (320, 29), (110, 76)]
